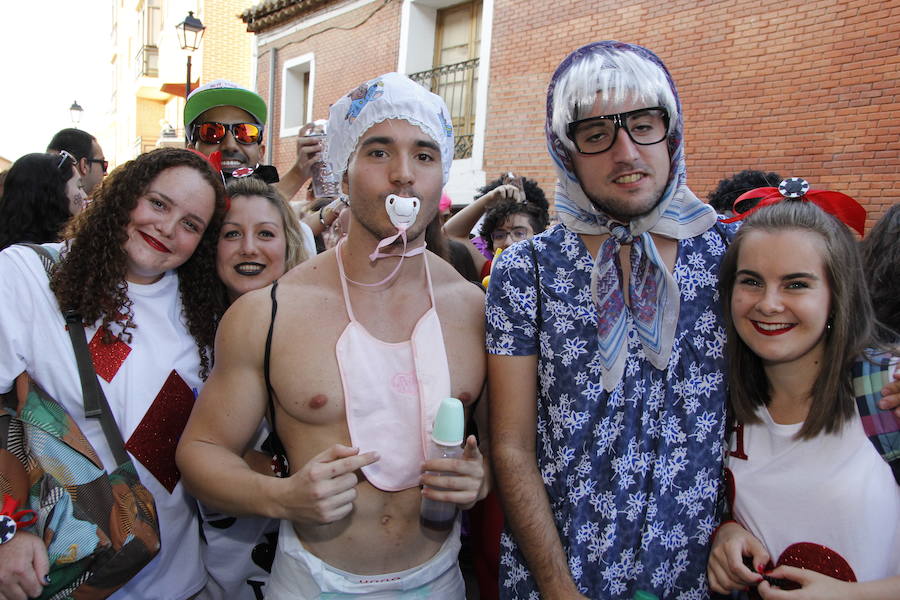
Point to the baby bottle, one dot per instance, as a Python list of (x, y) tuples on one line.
[(447, 438)]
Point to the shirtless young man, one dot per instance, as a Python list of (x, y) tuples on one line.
[(357, 371)]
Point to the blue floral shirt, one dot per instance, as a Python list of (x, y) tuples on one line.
[(632, 475)]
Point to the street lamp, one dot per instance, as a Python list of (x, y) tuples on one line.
[(75, 113), (190, 32)]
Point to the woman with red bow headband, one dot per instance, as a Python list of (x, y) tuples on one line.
[(813, 465)]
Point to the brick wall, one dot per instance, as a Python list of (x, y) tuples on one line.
[(802, 88), (147, 115), (227, 47), (347, 52), (805, 88)]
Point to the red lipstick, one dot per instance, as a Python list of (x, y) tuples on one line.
[(781, 328), (154, 243)]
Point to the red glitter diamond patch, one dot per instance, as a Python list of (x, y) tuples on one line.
[(107, 358), (154, 441)]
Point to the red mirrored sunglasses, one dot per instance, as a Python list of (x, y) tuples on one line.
[(212, 132)]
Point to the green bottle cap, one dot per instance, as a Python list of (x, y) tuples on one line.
[(449, 424), (642, 595)]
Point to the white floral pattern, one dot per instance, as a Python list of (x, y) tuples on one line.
[(632, 475)]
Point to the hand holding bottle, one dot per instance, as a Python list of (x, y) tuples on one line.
[(454, 475), (462, 479)]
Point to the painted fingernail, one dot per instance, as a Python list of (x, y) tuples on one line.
[(47, 578)]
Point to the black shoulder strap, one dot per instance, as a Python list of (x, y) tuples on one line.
[(95, 404), (276, 446), (48, 259)]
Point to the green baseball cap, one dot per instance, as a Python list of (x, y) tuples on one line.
[(223, 93)]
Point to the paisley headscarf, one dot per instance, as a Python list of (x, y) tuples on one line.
[(679, 214)]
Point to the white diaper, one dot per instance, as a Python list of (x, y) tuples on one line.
[(298, 575)]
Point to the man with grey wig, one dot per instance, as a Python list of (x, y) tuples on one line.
[(606, 350)]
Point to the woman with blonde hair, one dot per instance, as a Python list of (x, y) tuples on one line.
[(261, 239)]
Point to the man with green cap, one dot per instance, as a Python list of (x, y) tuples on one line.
[(221, 115)]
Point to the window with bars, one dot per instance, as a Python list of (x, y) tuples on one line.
[(454, 77)]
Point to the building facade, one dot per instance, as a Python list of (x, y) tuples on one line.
[(802, 88), (149, 68)]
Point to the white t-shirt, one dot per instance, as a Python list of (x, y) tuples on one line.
[(33, 338), (834, 490), (239, 551), (309, 240)]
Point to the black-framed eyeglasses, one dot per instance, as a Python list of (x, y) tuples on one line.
[(103, 163), (65, 157), (518, 234), (212, 132), (645, 127)]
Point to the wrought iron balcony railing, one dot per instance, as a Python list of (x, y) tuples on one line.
[(456, 84), (146, 62)]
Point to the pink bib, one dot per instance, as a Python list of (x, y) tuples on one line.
[(392, 392)]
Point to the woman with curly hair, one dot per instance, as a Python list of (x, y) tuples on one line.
[(138, 267), (40, 194), (514, 209)]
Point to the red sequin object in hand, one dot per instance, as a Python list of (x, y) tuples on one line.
[(806, 555)]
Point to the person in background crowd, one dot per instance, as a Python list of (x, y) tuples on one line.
[(374, 354), (514, 209), (260, 240), (800, 328), (444, 207), (89, 160), (453, 251), (881, 263), (138, 265), (223, 117), (42, 192), (728, 189)]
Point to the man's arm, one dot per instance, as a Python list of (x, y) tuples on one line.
[(460, 224), (224, 420), (225, 417), (512, 383), (309, 150)]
